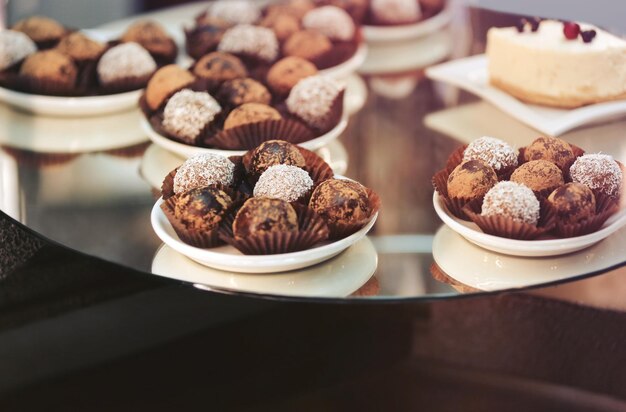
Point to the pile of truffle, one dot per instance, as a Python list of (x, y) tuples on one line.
[(277, 198), (38, 55), (549, 188)]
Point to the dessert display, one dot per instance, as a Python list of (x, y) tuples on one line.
[(277, 198), (559, 64), (152, 37), (556, 191), (388, 12)]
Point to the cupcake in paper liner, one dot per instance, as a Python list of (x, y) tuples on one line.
[(85, 53), (317, 101), (125, 67), (345, 205), (49, 72), (196, 214), (152, 37), (498, 154), (469, 181), (44, 31), (513, 211), (554, 150), (264, 226)]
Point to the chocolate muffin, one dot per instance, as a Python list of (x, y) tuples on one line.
[(287, 72), (599, 172), (165, 82), (188, 113), (307, 44), (202, 208), (252, 42), (15, 46), (341, 201), (495, 152), (204, 170), (313, 99), (283, 25), (472, 179), (250, 113), (538, 175), (44, 31), (245, 90), (272, 153), (573, 202), (152, 37), (395, 11), (288, 183), (80, 47), (333, 22), (551, 149), (261, 216), (125, 66), (219, 67), (204, 38), (512, 200), (51, 67)]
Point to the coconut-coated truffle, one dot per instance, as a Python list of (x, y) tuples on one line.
[(219, 67), (333, 22), (261, 216), (552, 149), (123, 61), (80, 47), (151, 36), (187, 113), (50, 65), (355, 8), (202, 208), (312, 98), (40, 29), (246, 90), (204, 170), (538, 175), (308, 44), (165, 82), (250, 113), (251, 41), (395, 11), (573, 202), (15, 46), (599, 172), (287, 72), (235, 11), (275, 152), (512, 200), (283, 25), (341, 201), (495, 152), (471, 179), (285, 182)]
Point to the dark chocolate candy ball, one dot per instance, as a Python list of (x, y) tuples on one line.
[(341, 201), (275, 152), (261, 215), (202, 208)]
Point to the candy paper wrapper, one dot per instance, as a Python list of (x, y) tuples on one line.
[(340, 230), (606, 206), (249, 136), (311, 230), (454, 204), (125, 84), (39, 159)]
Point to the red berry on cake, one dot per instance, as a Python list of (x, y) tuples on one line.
[(571, 30)]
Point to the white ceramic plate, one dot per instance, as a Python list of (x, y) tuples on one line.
[(187, 151), (529, 248), (388, 34), (471, 74), (486, 270), (337, 277), (230, 259)]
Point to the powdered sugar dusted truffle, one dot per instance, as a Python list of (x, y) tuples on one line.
[(495, 152), (14, 47), (599, 172), (235, 11), (285, 182), (311, 99), (187, 113), (253, 41), (125, 60), (396, 11), (331, 21), (204, 170), (513, 200)]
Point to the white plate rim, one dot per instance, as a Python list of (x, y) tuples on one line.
[(407, 31), (552, 247)]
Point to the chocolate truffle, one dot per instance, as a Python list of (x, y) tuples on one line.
[(152, 37), (599, 172), (471, 179), (395, 11), (165, 82), (551, 149), (512, 200), (295, 8), (331, 21), (187, 113), (287, 72), (204, 38), (204, 170), (202, 208), (240, 91), (283, 25), (261, 216), (495, 152), (250, 113), (50, 65), (235, 11), (341, 201), (355, 8), (538, 175), (573, 202), (15, 46), (126, 60), (312, 99), (250, 41), (308, 44), (80, 47), (275, 152), (219, 67), (285, 182), (40, 29)]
